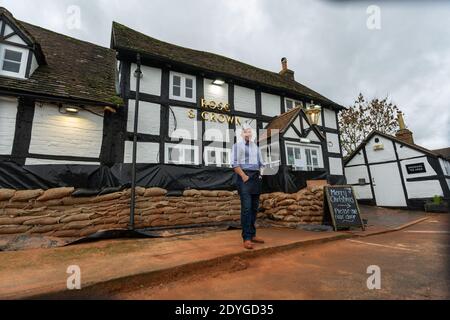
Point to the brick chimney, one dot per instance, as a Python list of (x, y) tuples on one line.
[(403, 133), (285, 72)]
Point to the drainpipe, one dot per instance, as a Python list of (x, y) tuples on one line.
[(138, 75)]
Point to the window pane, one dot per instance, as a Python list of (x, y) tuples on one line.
[(291, 159), (189, 83), (176, 91), (13, 55), (189, 93), (314, 152), (11, 66), (297, 153), (174, 154), (308, 157), (289, 104), (225, 158), (315, 162), (177, 81)]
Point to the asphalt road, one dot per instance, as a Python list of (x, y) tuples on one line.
[(413, 264)]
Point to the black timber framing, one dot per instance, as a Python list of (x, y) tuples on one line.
[(201, 75), (164, 114), (435, 164), (366, 163), (22, 133)]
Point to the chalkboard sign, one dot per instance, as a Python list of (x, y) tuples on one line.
[(341, 207), (416, 168)]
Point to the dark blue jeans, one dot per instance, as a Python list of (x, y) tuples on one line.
[(249, 210)]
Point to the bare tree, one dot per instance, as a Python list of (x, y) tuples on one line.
[(363, 117)]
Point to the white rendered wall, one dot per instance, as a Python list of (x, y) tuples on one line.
[(214, 92), (387, 154), (16, 39), (290, 133), (336, 166), (429, 170), (405, 152), (424, 189), (445, 165), (330, 118), (8, 113), (353, 174), (334, 139), (216, 131), (150, 81), (149, 117), (186, 127), (36, 162), (363, 192), (59, 134), (357, 159), (270, 105), (421, 189), (244, 99), (147, 152), (313, 136)]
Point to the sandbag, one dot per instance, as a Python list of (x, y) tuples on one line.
[(42, 221), (76, 217), (155, 192), (6, 194), (57, 193), (192, 193), (13, 229), (26, 195)]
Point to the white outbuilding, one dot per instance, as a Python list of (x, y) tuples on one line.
[(393, 171)]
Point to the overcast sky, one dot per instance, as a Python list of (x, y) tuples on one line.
[(327, 43)]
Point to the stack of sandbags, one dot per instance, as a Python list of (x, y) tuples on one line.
[(57, 213), (194, 207), (303, 207)]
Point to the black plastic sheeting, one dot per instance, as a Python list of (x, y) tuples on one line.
[(90, 179)]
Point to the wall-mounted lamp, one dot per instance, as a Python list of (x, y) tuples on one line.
[(219, 82), (313, 112), (109, 109), (72, 110), (304, 140)]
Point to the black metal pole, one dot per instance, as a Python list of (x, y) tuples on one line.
[(137, 74)]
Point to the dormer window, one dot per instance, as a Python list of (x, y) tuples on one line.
[(11, 61), (20, 53)]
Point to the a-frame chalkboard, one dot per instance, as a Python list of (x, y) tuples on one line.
[(341, 208)]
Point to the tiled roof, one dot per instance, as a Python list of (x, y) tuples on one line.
[(283, 121), (125, 38), (444, 153), (74, 69)]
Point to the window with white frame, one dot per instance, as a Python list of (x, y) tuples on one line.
[(12, 61), (217, 157), (182, 87), (291, 104), (181, 154), (305, 158), (271, 155)]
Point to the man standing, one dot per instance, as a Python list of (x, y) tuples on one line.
[(247, 163)]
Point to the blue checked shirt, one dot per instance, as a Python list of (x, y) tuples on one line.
[(247, 156)]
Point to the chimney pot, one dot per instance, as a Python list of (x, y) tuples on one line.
[(285, 72), (284, 64), (403, 133)]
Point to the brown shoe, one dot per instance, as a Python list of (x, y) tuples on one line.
[(248, 245), (257, 240)]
